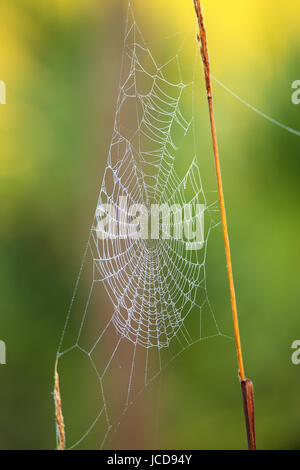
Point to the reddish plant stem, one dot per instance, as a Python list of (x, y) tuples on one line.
[(247, 386), (60, 425)]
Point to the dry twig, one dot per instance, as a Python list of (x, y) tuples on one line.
[(246, 384), (60, 425)]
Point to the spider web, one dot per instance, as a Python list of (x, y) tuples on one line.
[(156, 304)]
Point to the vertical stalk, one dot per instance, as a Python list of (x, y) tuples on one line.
[(246, 384), (60, 426)]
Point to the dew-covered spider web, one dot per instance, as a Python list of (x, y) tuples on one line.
[(156, 302), (139, 303)]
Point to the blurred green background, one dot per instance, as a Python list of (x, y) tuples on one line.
[(61, 61)]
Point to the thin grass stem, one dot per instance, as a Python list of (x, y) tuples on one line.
[(246, 384)]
